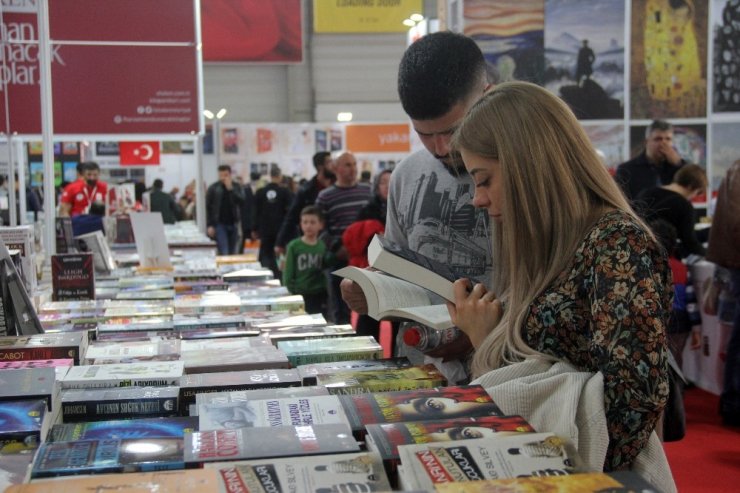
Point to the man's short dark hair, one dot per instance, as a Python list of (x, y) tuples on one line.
[(255, 176), (691, 176), (660, 125), (312, 210), (89, 165), (320, 158), (224, 167), (437, 72), (158, 184)]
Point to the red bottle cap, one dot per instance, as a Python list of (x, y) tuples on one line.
[(412, 337)]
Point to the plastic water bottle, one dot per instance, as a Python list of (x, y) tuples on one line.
[(424, 338)]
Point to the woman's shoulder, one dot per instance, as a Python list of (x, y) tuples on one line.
[(617, 230)]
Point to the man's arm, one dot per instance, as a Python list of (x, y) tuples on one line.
[(64, 209)]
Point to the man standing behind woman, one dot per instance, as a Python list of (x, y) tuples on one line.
[(579, 277)]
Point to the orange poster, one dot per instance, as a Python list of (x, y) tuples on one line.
[(378, 138)]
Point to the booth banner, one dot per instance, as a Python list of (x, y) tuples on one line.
[(252, 30), (101, 88), (378, 138), (139, 153), (363, 16)]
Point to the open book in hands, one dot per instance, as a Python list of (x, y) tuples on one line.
[(410, 286)]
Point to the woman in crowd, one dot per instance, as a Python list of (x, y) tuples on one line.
[(579, 277)]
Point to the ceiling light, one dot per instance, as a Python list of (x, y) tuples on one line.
[(416, 17), (409, 23), (221, 113), (208, 114), (344, 116)]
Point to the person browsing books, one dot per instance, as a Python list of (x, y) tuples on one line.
[(429, 211), (580, 277), (305, 260)]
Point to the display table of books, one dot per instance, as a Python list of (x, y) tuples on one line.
[(182, 381)]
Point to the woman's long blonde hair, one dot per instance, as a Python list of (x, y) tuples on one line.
[(554, 189)]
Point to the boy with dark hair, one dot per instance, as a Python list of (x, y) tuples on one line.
[(305, 260)]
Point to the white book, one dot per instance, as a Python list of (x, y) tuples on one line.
[(257, 394), (287, 411), (524, 454), (332, 472), (131, 349), (144, 374)]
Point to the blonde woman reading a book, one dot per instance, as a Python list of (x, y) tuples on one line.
[(580, 278)]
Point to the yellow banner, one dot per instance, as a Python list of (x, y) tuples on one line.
[(363, 16)]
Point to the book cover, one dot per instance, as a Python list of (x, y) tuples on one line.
[(153, 294), (199, 383), (96, 244), (36, 363), (308, 372), (217, 333), (588, 482), (225, 344), (120, 403), (385, 438), (287, 411), (145, 374), (107, 456), (318, 350), (266, 442), (234, 359), (257, 394), (72, 277), (72, 306), (417, 405), (22, 238), (115, 351), (291, 303), (290, 333), (185, 481), (524, 454), (207, 321), (15, 468), (280, 319), (210, 301), (383, 380), (29, 383), (123, 428), (248, 275), (326, 473), (64, 235), (139, 311), (44, 346), (23, 424)]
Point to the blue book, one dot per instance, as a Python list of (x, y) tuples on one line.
[(123, 428), (22, 424)]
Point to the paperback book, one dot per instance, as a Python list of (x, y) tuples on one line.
[(30, 383), (322, 349), (234, 359), (300, 332), (417, 405), (44, 346), (128, 351), (267, 442), (119, 403), (257, 394), (145, 374), (108, 456), (385, 380), (36, 363), (525, 454), (287, 411), (23, 425), (123, 428), (326, 473), (72, 277), (309, 372), (199, 383)]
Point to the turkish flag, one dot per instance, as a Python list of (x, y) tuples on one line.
[(139, 153)]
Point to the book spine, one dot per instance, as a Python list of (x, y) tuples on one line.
[(40, 353), (112, 383), (119, 409), (304, 359)]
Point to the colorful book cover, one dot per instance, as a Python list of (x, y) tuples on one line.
[(319, 350), (288, 411), (417, 405), (199, 383), (266, 442), (72, 277), (383, 380), (107, 456), (326, 473), (123, 428), (145, 374), (384, 438), (118, 403), (22, 424), (309, 372)]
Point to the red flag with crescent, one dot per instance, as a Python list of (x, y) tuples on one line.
[(139, 153)]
